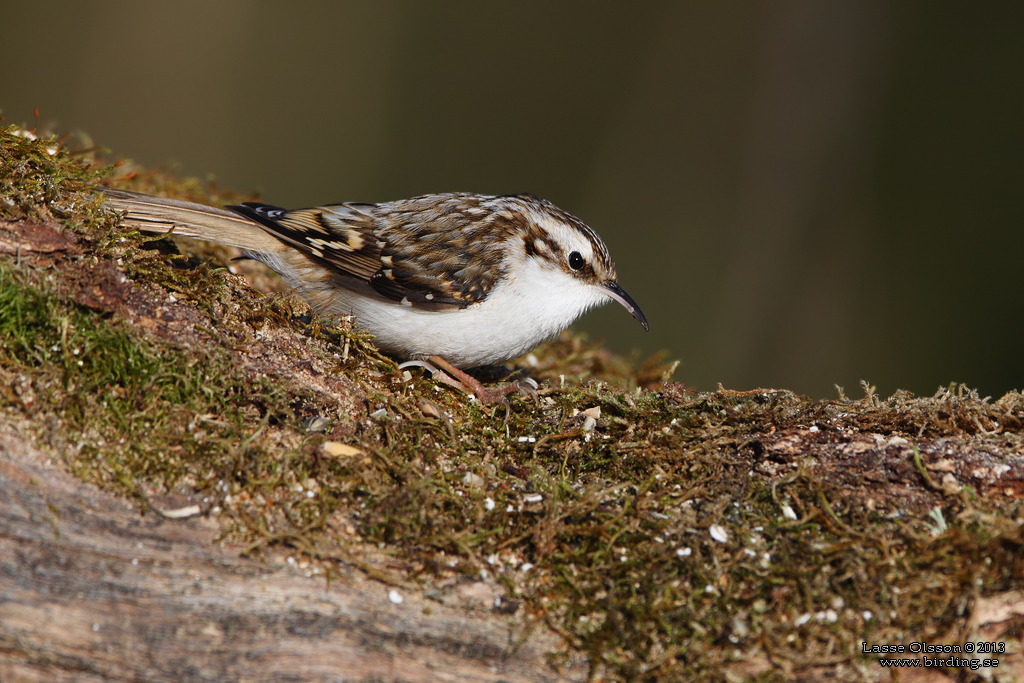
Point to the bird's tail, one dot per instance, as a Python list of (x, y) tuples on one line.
[(187, 219)]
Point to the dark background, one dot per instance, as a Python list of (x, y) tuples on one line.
[(798, 194)]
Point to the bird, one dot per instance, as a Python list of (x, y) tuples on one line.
[(452, 281)]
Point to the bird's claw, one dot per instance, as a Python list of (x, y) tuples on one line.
[(528, 387)]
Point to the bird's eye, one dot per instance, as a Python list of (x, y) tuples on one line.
[(576, 260)]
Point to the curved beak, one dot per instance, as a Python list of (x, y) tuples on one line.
[(613, 290)]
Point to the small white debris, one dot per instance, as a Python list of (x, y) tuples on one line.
[(939, 527), (172, 298), (488, 504), (828, 615), (378, 414), (473, 480), (684, 552), (750, 552), (802, 619), (788, 513), (709, 588), (395, 597), (492, 559), (525, 567), (181, 513), (719, 533), (310, 494), (510, 508), (533, 498), (135, 562), (95, 627), (589, 423), (867, 615), (523, 439), (532, 361), (290, 560), (813, 429), (561, 381), (317, 425)]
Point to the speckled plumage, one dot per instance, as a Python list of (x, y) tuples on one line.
[(431, 252), (475, 279)]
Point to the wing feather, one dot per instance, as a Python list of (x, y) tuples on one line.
[(431, 252)]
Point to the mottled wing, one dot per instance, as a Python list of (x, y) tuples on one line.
[(440, 249), (430, 252), (339, 234)]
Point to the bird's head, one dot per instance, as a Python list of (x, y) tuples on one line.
[(559, 242)]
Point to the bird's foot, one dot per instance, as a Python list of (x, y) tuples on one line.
[(446, 373)]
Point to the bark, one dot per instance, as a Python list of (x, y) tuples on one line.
[(91, 590)]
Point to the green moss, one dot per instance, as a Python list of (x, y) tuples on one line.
[(625, 563), (661, 535)]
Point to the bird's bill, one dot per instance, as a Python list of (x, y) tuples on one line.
[(613, 290)]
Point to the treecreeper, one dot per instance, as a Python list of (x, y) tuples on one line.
[(450, 281)]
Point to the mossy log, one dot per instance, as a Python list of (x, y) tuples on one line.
[(90, 590), (200, 482)]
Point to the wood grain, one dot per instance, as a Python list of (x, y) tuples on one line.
[(90, 590)]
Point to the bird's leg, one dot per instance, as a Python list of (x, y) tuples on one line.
[(436, 374), (470, 384), (464, 382)]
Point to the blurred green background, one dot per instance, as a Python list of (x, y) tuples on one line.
[(798, 194)]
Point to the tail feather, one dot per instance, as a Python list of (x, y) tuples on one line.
[(322, 287), (187, 219)]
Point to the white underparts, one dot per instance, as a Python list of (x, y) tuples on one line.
[(518, 314)]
